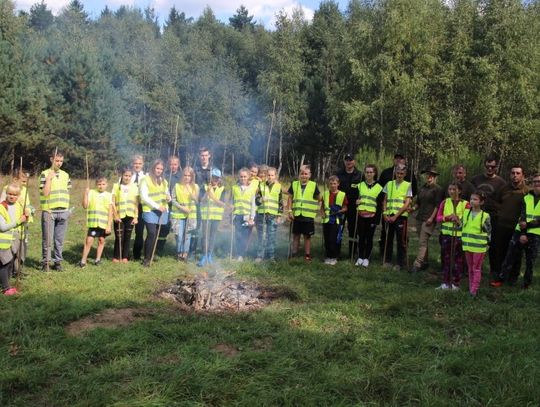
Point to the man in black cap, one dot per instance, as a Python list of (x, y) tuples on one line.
[(387, 175), (426, 204), (349, 178)]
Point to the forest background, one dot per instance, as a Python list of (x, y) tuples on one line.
[(440, 81)]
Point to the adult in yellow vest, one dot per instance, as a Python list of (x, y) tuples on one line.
[(333, 210), (369, 213), (212, 208), (126, 214), (397, 198), (99, 215), (54, 187), (304, 204), (11, 219), (154, 195), (475, 235), (526, 238), (449, 216), (184, 212), (243, 196), (269, 201)]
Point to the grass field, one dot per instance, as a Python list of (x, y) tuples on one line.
[(352, 337)]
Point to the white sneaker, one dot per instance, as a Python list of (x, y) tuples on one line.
[(258, 260), (455, 287), (359, 262), (240, 258), (333, 262), (365, 263), (443, 286), (328, 261)]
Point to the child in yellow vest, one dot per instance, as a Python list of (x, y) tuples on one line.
[(334, 206), (369, 213), (303, 204), (212, 208), (99, 214), (476, 231), (449, 216), (243, 196), (269, 209), (184, 212), (11, 219), (125, 196)]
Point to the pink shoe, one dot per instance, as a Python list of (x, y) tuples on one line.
[(11, 291), (125, 261), (115, 260)]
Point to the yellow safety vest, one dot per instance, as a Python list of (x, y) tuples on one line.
[(368, 197), (449, 228), (340, 197), (6, 238), (242, 200), (303, 203), (210, 210), (473, 237), (58, 198), (270, 199), (97, 213), (184, 198), (395, 197), (126, 202), (531, 212), (157, 193)]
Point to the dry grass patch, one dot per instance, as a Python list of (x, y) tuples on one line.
[(109, 318)]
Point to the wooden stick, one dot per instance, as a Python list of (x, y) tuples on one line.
[(232, 216), (270, 132), (22, 236), (87, 171)]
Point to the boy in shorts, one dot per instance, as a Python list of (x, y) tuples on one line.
[(99, 206), (303, 204)]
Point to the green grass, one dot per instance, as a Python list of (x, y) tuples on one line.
[(352, 337)]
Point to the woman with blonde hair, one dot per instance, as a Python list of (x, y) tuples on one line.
[(185, 197)]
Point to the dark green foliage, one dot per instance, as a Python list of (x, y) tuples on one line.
[(425, 77)]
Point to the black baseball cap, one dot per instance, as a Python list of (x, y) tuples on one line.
[(399, 155), (348, 157)]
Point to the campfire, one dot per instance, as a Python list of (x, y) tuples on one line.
[(221, 292)]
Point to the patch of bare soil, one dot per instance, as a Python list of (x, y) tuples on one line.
[(226, 350), (109, 318)]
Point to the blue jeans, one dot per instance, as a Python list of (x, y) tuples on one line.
[(183, 234), (53, 228), (267, 241)]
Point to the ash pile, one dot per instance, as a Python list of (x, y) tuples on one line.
[(220, 293)]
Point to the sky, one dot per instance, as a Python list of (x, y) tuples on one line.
[(264, 11)]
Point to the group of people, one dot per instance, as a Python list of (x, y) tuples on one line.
[(483, 215)]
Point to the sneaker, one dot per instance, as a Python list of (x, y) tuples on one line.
[(97, 262), (387, 266), (240, 258), (455, 287), (81, 264), (125, 260), (496, 283), (308, 258), (57, 267), (414, 269), (365, 263), (11, 291), (359, 262), (327, 260), (146, 263), (258, 260), (210, 260), (115, 260), (443, 286), (396, 268), (333, 262), (525, 286), (44, 268)]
